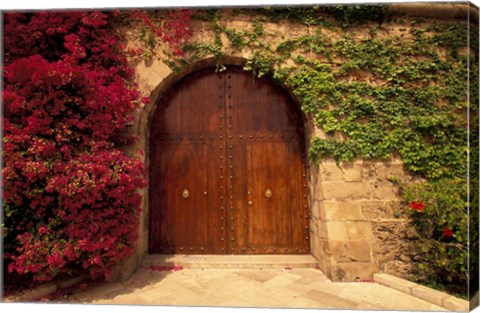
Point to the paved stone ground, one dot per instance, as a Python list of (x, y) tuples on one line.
[(259, 288)]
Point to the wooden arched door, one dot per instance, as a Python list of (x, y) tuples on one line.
[(227, 168)]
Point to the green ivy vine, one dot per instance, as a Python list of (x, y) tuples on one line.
[(376, 97)]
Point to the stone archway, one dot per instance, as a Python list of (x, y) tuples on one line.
[(227, 168), (339, 232)]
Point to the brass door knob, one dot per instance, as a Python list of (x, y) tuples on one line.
[(268, 193), (185, 193), (250, 202)]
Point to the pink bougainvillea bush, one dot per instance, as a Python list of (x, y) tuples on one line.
[(70, 199)]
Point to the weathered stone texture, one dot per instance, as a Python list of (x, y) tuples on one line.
[(382, 171), (345, 190), (339, 211), (383, 190), (352, 172), (377, 210), (317, 210), (350, 251), (354, 227), (429, 295), (337, 231), (359, 230), (318, 228), (321, 253), (391, 246), (455, 304), (395, 282), (149, 76), (330, 171), (352, 271)]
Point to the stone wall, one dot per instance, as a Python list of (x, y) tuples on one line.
[(356, 228)]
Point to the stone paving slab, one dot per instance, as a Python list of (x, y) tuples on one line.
[(260, 288), (428, 294), (226, 261)]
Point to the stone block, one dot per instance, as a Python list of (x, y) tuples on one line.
[(341, 211), (352, 172), (384, 190), (377, 210), (359, 230), (339, 250), (391, 244), (319, 133), (330, 171), (345, 190), (386, 251), (142, 243), (430, 295), (328, 300), (317, 191), (319, 248), (359, 251), (126, 269), (455, 304), (150, 76), (325, 265), (394, 282), (318, 228), (316, 247), (392, 230), (337, 231), (383, 171), (129, 267), (273, 28), (369, 171), (350, 251), (352, 271), (318, 209), (397, 267)]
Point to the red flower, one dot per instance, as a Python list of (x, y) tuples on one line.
[(67, 91), (417, 206), (55, 260), (447, 232)]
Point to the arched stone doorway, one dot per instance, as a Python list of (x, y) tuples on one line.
[(227, 168)]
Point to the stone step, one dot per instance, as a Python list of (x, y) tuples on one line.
[(231, 261)]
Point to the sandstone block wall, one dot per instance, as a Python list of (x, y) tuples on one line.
[(356, 229)]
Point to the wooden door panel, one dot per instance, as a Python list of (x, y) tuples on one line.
[(186, 200), (264, 214), (193, 109), (268, 213), (227, 138), (187, 139), (258, 107)]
